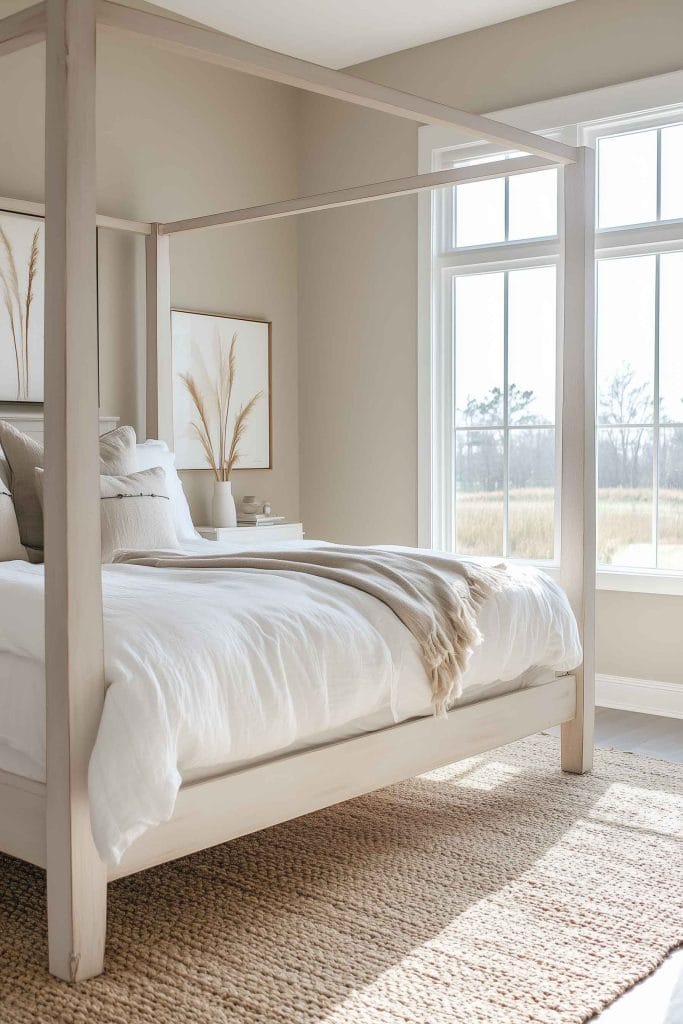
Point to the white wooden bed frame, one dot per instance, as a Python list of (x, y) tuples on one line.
[(49, 824)]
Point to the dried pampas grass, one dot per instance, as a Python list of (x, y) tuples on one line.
[(18, 306), (221, 458)]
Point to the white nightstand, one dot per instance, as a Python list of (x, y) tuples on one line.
[(253, 534)]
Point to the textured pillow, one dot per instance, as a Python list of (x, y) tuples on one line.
[(135, 512), (156, 453), (10, 545), (117, 452), (117, 456)]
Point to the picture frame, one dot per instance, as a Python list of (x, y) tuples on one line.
[(201, 344), (22, 314)]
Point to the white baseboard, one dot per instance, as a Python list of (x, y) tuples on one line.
[(649, 696)]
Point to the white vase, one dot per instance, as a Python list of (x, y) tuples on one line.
[(223, 506)]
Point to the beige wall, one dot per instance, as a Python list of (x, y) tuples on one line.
[(357, 352), (358, 281), (578, 46), (177, 137)]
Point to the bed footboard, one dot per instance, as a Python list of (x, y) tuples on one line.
[(216, 810)]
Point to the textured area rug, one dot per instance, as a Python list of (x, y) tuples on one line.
[(495, 891)]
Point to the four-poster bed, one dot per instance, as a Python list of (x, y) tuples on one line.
[(49, 824)]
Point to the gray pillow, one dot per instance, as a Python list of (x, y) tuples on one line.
[(10, 545), (117, 456), (135, 512)]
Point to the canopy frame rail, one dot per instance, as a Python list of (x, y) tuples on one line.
[(371, 192), (25, 28), (29, 27), (27, 206), (159, 416), (229, 51)]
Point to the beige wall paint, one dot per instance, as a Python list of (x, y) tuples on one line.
[(358, 440), (177, 137), (582, 45), (358, 331)]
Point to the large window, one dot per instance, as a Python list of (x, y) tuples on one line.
[(505, 411), (495, 259), (496, 272), (640, 348)]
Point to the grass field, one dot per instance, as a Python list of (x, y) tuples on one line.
[(624, 525)]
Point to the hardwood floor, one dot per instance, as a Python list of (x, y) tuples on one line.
[(640, 734), (659, 998)]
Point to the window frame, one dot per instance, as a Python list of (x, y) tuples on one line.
[(447, 264), (586, 117), (448, 274)]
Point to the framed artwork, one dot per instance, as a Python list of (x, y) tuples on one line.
[(22, 282), (221, 391)]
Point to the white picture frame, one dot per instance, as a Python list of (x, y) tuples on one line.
[(200, 342)]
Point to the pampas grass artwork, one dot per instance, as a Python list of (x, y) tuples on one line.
[(218, 429), (16, 303)]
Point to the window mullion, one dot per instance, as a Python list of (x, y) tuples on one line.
[(655, 431), (451, 206), (506, 213), (659, 174), (506, 417)]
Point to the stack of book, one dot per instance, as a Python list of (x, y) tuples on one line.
[(258, 519)]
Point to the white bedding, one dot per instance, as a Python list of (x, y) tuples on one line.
[(208, 667)]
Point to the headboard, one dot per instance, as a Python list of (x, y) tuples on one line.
[(31, 423)]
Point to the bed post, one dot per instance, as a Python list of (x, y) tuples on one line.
[(578, 445), (159, 392), (76, 877)]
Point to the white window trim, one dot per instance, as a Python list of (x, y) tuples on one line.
[(645, 99)]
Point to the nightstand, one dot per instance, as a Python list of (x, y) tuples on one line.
[(253, 534)]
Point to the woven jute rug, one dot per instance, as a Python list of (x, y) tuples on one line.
[(496, 891)]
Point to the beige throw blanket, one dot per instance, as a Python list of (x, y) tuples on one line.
[(435, 596)]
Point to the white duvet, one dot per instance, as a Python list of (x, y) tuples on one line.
[(213, 667)]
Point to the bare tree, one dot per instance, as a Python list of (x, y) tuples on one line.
[(488, 411), (626, 407), (479, 452)]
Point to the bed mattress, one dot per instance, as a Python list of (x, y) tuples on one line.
[(208, 670)]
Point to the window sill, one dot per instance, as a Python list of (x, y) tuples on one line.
[(636, 582), (629, 581)]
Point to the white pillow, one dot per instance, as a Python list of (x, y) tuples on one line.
[(156, 453), (135, 512)]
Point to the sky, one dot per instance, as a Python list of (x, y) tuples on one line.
[(626, 287)]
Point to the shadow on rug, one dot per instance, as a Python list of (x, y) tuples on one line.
[(494, 891)]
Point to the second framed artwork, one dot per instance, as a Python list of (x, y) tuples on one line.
[(221, 392), (22, 252)]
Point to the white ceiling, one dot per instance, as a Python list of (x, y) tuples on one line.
[(337, 33)]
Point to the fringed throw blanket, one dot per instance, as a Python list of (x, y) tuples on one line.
[(435, 596)]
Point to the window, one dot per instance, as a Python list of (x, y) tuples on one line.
[(639, 177), (639, 302), (497, 269), (495, 260), (505, 411), (506, 209)]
